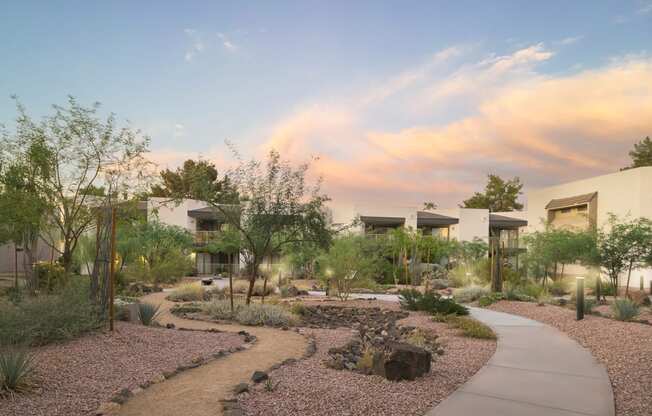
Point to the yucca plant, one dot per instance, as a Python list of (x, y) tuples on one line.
[(16, 371), (148, 313), (625, 309)]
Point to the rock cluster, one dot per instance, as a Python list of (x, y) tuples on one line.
[(367, 320)]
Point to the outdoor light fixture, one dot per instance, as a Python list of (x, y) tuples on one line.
[(579, 306)]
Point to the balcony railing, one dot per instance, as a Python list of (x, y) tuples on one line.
[(204, 237)]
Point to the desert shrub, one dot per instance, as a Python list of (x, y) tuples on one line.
[(461, 276), (589, 304), (264, 314), (254, 314), (242, 286), (531, 289), (14, 294), (188, 293), (472, 328), (559, 287), (63, 315), (470, 293), (640, 298), (514, 293), (490, 299), (148, 313), (432, 302), (366, 361), (298, 309), (16, 370), (50, 276), (624, 309)]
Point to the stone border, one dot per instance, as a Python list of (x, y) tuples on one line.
[(230, 404), (125, 394)]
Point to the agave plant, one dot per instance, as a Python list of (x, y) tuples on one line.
[(624, 309), (16, 371), (148, 313)]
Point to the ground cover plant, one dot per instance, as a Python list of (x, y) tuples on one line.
[(432, 302), (254, 314), (470, 327)]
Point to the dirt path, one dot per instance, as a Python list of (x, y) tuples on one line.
[(198, 392)]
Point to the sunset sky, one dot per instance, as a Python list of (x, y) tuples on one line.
[(403, 102)]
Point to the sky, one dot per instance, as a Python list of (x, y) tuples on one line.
[(395, 102)]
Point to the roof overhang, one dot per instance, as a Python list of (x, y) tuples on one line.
[(207, 213), (383, 221), (430, 219), (502, 221), (572, 201)]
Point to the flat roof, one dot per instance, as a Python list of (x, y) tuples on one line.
[(496, 220), (430, 219)]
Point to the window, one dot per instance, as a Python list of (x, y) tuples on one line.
[(566, 210), (582, 208)]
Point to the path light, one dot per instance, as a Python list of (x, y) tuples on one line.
[(579, 307)]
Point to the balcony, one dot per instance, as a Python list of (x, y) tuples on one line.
[(204, 237)]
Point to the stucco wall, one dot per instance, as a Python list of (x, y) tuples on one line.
[(172, 213)]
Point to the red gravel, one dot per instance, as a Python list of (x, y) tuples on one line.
[(75, 377), (625, 349), (308, 388)]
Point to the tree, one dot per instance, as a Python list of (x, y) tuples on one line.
[(228, 241), (195, 180), (84, 154), (160, 251), (499, 195), (23, 206), (429, 206), (276, 208), (641, 154), (637, 236), (614, 250)]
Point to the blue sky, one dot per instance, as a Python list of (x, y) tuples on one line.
[(357, 77)]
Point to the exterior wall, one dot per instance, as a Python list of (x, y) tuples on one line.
[(409, 213), (8, 259), (626, 194), (172, 214), (474, 223)]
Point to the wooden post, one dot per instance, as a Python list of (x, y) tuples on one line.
[(579, 306), (112, 270)]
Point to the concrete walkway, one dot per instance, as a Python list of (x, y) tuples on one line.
[(535, 371)]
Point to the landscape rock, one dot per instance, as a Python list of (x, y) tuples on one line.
[(405, 362), (259, 376), (241, 388)]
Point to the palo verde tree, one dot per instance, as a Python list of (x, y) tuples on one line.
[(276, 207), (499, 195), (84, 152)]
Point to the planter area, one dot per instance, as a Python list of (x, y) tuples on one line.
[(77, 377), (623, 347), (313, 387)]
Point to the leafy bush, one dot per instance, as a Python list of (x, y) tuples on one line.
[(298, 309), (432, 302), (490, 299), (50, 276), (470, 293), (625, 309), (63, 315), (532, 290), (16, 370), (254, 314), (188, 293), (517, 295), (559, 287), (472, 328), (148, 313)]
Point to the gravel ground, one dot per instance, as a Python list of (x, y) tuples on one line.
[(308, 388), (75, 377), (625, 349)]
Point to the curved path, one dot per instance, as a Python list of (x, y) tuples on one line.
[(535, 371), (198, 392)]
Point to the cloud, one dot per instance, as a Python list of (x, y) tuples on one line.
[(571, 40), (646, 8), (196, 46), (515, 120), (227, 43)]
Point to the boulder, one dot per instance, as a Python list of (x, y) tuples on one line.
[(259, 376), (404, 362)]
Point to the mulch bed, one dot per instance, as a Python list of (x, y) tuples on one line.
[(309, 388), (77, 376), (625, 348)]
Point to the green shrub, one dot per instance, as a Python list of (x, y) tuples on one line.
[(188, 293), (15, 295), (472, 328), (63, 315), (148, 313), (366, 362), (559, 287), (625, 309), (432, 302), (16, 370), (50, 276), (589, 304), (254, 314), (298, 309), (490, 299), (517, 295), (470, 294)]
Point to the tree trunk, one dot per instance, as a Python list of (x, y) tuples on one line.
[(264, 286), (252, 280), (629, 275), (29, 248), (230, 257)]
